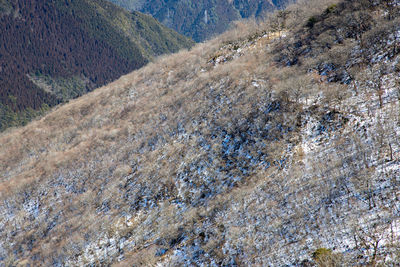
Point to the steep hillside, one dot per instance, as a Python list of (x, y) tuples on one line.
[(52, 51), (202, 19), (268, 146)]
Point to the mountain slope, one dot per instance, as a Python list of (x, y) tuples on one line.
[(56, 50), (201, 19), (262, 147)]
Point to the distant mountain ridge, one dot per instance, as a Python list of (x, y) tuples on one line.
[(201, 19), (51, 51)]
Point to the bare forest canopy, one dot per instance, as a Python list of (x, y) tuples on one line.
[(276, 143)]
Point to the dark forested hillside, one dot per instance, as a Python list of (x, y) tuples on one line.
[(201, 19), (51, 51)]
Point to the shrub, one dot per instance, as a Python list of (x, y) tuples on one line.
[(311, 22), (321, 253), (331, 8), (326, 258)]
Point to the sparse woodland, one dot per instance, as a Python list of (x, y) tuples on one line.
[(275, 144)]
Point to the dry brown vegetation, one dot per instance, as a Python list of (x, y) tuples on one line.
[(215, 156)]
